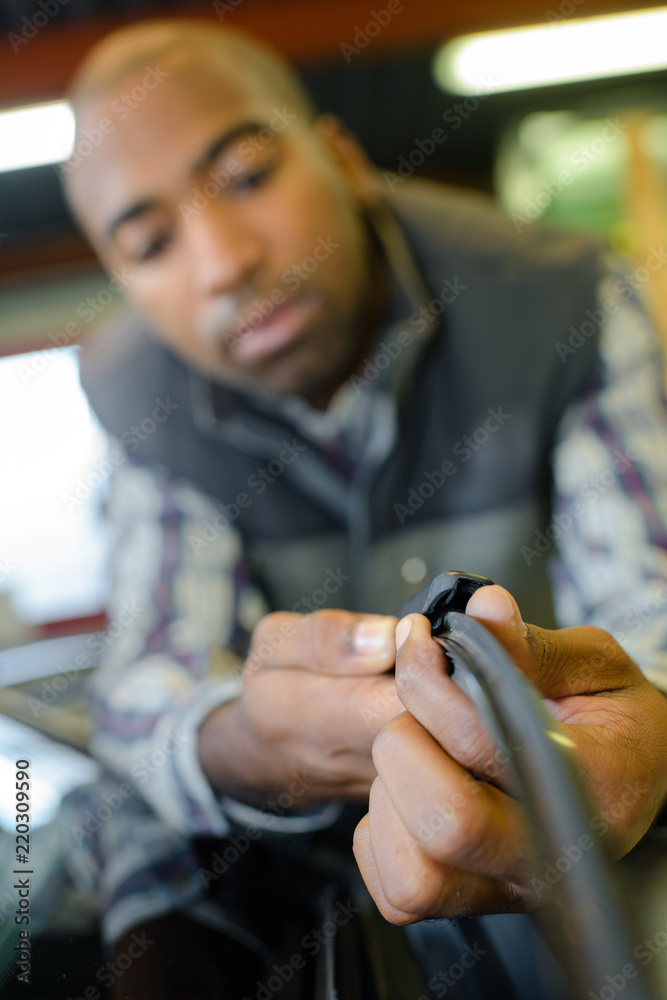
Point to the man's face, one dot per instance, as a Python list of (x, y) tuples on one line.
[(237, 224)]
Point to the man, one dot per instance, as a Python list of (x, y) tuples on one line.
[(340, 394)]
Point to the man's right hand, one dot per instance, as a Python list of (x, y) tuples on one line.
[(316, 693)]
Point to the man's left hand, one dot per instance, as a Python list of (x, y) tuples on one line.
[(443, 837)]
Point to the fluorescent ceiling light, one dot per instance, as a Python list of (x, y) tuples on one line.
[(558, 52), (35, 135)]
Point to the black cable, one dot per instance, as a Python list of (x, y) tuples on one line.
[(587, 927)]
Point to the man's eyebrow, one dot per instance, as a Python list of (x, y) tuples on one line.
[(228, 137), (134, 211), (216, 147)]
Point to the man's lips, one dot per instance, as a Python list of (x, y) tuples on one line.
[(279, 330)]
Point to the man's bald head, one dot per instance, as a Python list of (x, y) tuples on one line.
[(229, 64), (251, 63), (200, 173)]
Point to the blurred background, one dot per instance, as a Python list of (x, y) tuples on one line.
[(580, 140), (587, 151), (389, 79), (580, 147)]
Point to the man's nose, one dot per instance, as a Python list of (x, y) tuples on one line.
[(225, 249)]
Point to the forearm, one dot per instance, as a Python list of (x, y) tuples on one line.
[(160, 677), (228, 758), (259, 781)]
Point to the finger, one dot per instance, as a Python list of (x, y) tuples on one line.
[(363, 853), (337, 717), (432, 697), (348, 713), (327, 641), (407, 884), (560, 662), (456, 820)]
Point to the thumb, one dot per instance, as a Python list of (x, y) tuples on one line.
[(559, 662), (495, 608)]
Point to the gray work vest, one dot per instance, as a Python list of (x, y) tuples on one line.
[(466, 484)]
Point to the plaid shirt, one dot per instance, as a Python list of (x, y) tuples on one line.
[(166, 670)]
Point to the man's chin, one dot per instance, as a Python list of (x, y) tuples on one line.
[(314, 386)]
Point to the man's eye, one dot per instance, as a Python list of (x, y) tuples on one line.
[(155, 247), (254, 179)]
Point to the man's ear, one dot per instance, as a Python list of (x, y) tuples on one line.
[(350, 157)]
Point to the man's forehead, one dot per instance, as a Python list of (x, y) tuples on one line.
[(152, 127), (161, 94), (193, 64)]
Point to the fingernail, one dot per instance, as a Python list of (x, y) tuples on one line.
[(518, 621), (512, 614), (373, 638), (402, 631)]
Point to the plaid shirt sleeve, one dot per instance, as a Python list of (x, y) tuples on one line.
[(609, 520), (180, 597)]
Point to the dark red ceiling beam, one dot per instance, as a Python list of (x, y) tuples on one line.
[(304, 30), (67, 249)]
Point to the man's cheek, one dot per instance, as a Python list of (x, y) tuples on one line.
[(171, 311)]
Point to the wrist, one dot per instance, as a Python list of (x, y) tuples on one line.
[(226, 755), (216, 746)]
